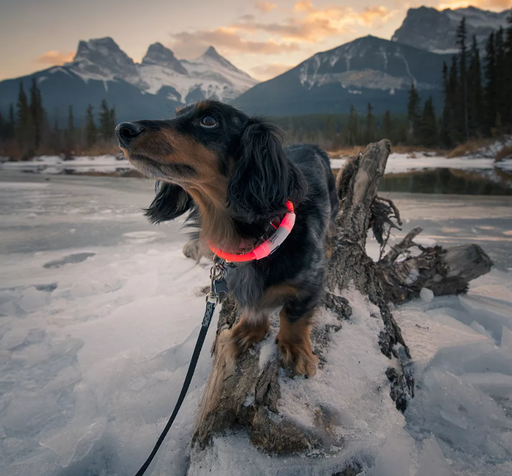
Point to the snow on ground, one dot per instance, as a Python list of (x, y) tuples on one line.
[(100, 312), (397, 163)]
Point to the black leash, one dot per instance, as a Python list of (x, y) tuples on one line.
[(218, 288)]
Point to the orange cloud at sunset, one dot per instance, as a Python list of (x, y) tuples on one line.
[(268, 71), (56, 58), (265, 7), (313, 25), (226, 39), (497, 5)]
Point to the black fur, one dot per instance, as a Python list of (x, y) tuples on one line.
[(170, 202), (262, 176)]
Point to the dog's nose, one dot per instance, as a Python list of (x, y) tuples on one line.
[(127, 131)]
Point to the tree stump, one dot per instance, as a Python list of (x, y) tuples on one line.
[(244, 394)]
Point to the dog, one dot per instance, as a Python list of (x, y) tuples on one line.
[(234, 176)]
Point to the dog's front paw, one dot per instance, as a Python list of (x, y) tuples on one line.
[(297, 354), (245, 333)]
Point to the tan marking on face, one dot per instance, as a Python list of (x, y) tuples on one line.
[(295, 345), (202, 106), (208, 187)]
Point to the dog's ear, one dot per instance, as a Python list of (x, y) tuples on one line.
[(170, 202), (264, 178)]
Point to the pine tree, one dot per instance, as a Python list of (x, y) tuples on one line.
[(105, 129), (491, 109), (70, 133), (370, 125), (22, 120), (463, 101), (428, 124), (11, 124), (353, 127), (113, 122), (455, 126), (413, 113), (91, 131), (475, 92), (446, 120), (387, 127), (508, 73), (501, 78), (36, 114)]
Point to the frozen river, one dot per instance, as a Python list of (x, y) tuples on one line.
[(99, 312)]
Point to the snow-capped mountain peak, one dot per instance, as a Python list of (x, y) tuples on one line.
[(435, 30), (102, 59), (158, 54), (160, 72)]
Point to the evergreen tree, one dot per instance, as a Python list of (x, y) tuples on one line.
[(370, 125), (508, 73), (490, 92), (70, 133), (413, 113), (36, 114), (113, 122), (444, 133), (455, 126), (104, 122), (329, 132), (501, 78), (463, 81), (387, 127), (22, 120), (353, 127), (428, 124), (475, 92), (91, 131)]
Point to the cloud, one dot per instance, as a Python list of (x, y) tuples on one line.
[(57, 58), (497, 5), (227, 40), (265, 7), (313, 25), (269, 71)]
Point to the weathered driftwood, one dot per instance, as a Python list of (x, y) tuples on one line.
[(241, 395)]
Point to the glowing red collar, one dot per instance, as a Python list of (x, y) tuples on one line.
[(267, 247)]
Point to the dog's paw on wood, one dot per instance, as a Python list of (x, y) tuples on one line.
[(296, 353), (245, 333)]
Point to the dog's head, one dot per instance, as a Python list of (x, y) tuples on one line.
[(215, 156)]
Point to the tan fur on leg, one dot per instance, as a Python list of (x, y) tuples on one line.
[(295, 345), (248, 332)]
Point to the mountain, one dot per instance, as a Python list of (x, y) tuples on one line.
[(151, 89), (435, 30), (365, 70)]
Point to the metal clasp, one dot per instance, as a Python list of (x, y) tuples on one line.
[(217, 272)]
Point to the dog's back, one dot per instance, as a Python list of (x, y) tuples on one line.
[(316, 166)]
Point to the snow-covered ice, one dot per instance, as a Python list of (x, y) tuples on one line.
[(99, 312)]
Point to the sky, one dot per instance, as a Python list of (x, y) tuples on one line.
[(263, 38)]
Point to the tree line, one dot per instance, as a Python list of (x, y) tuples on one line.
[(477, 104), (28, 131)]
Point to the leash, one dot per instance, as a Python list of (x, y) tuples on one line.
[(218, 288)]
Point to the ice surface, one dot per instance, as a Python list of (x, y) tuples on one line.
[(93, 351)]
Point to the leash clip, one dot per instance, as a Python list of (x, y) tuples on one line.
[(218, 285)]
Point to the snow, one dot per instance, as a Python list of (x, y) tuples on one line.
[(100, 312), (399, 163), (51, 164)]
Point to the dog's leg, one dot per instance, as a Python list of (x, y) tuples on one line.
[(294, 343), (251, 329)]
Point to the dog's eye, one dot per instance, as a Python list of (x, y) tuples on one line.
[(208, 122)]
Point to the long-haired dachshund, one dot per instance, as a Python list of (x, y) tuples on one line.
[(231, 171)]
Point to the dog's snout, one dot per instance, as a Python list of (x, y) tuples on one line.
[(127, 131)]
